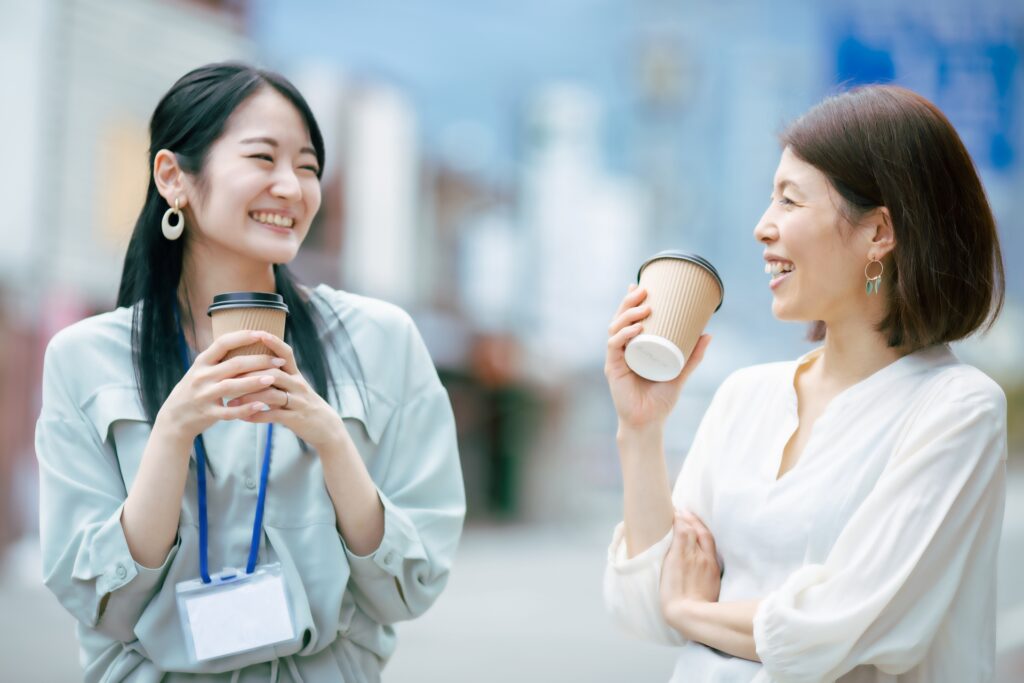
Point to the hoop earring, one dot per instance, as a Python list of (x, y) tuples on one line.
[(173, 232), (873, 281)]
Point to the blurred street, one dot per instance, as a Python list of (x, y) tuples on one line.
[(523, 604), (499, 172)]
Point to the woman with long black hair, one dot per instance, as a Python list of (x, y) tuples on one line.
[(160, 466)]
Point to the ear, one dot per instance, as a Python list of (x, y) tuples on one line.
[(880, 233), (170, 179)]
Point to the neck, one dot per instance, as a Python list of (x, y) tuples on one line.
[(854, 350), (207, 272)]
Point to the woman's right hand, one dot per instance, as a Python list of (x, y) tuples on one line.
[(641, 403), (196, 402)]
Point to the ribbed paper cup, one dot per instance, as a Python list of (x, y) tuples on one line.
[(683, 291), (257, 311)]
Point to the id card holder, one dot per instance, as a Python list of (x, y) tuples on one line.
[(236, 612)]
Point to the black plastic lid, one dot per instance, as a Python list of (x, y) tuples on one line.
[(692, 258), (247, 300)]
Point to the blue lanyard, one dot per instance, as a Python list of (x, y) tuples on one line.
[(200, 447)]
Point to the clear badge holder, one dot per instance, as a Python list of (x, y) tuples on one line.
[(236, 612)]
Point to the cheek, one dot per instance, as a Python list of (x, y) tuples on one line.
[(313, 197)]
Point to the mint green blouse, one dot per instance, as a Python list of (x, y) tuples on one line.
[(90, 439)]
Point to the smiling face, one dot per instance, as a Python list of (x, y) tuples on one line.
[(805, 234), (259, 187)]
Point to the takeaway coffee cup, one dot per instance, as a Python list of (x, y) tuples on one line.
[(258, 311), (683, 291)]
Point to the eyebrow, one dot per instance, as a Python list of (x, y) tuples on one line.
[(788, 183), (273, 143)]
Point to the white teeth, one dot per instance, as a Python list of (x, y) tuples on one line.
[(775, 268), (273, 219)]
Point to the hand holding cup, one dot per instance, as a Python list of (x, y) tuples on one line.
[(196, 402), (639, 402)]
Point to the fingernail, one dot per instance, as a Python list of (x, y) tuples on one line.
[(254, 335), (266, 380), (264, 408), (278, 362)]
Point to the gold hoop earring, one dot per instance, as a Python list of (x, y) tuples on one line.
[(173, 232), (873, 281)]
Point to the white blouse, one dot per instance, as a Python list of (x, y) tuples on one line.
[(874, 557)]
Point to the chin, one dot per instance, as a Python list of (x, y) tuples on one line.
[(280, 251), (281, 257), (787, 314)]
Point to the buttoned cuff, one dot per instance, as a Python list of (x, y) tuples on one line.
[(110, 564), (399, 543)]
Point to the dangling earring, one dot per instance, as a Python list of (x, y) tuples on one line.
[(173, 232), (873, 280)]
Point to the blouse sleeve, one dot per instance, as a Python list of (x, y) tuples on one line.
[(888, 582), (86, 561), (419, 481), (631, 585)]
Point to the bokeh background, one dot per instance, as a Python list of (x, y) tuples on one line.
[(500, 170)]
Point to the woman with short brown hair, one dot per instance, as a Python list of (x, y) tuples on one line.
[(837, 517)]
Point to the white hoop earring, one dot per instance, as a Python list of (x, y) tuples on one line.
[(173, 232)]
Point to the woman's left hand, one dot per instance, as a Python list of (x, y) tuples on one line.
[(293, 402), (690, 572)]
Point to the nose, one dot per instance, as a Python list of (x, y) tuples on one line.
[(765, 231), (286, 185)]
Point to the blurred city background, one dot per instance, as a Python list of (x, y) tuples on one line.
[(500, 170)]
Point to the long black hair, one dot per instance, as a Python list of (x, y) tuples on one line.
[(189, 118)]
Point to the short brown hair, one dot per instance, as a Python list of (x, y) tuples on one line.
[(883, 145)]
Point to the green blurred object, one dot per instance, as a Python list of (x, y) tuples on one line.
[(496, 425)]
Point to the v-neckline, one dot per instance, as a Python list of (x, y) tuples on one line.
[(894, 369)]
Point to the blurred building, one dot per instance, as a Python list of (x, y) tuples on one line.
[(93, 71), (87, 75), (584, 231)]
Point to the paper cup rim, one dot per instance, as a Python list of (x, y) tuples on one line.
[(229, 300), (692, 258)]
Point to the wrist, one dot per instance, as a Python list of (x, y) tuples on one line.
[(644, 436), (173, 436), (679, 614), (336, 441)]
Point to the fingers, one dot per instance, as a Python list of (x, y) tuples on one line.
[(633, 298), (282, 380), (227, 342), (241, 412), (273, 397), (629, 317), (704, 537), (242, 386), (246, 365), (696, 356), (617, 342), (281, 350), (684, 535)]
